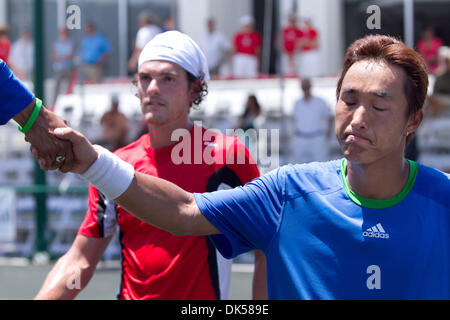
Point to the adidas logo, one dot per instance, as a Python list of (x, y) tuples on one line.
[(376, 231)]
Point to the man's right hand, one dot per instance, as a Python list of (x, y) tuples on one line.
[(41, 137), (50, 147), (83, 151)]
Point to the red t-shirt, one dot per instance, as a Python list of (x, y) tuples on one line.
[(247, 43), (5, 47), (430, 53), (290, 37), (155, 263), (309, 34)]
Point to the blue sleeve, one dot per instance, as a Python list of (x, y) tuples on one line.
[(106, 46), (13, 94), (248, 217)]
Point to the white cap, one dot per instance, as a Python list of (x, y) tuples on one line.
[(179, 48), (246, 20), (307, 18)]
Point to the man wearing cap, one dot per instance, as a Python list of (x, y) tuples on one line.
[(172, 76), (247, 50), (34, 120)]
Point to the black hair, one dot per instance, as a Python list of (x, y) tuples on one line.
[(202, 91)]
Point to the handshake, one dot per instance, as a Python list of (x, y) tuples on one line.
[(63, 149), (54, 145)]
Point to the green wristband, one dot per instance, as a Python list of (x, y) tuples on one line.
[(32, 118)]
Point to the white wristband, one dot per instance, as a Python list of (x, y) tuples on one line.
[(110, 174)]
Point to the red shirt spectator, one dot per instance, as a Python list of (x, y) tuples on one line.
[(428, 47), (291, 34), (247, 50), (5, 44), (247, 43), (310, 36)]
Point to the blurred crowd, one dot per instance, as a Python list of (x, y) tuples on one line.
[(238, 57), (235, 57)]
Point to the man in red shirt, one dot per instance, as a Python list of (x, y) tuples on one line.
[(5, 44), (247, 50), (291, 35), (172, 76)]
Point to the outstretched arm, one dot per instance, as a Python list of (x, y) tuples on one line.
[(153, 200), (73, 271), (165, 206)]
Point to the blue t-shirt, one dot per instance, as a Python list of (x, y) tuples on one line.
[(322, 243), (13, 94), (94, 47), (63, 49)]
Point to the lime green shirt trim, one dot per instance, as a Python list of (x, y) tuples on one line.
[(385, 203)]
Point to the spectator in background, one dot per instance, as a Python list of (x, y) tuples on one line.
[(442, 83), (252, 118), (252, 112), (310, 54), (313, 127), (115, 127), (291, 36), (247, 50), (439, 101), (95, 50), (5, 44), (63, 52), (428, 47), (22, 56), (169, 24), (148, 28), (215, 47)]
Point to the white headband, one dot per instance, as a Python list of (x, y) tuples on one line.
[(176, 47)]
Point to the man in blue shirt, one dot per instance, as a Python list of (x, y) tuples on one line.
[(18, 103), (95, 50), (370, 226)]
